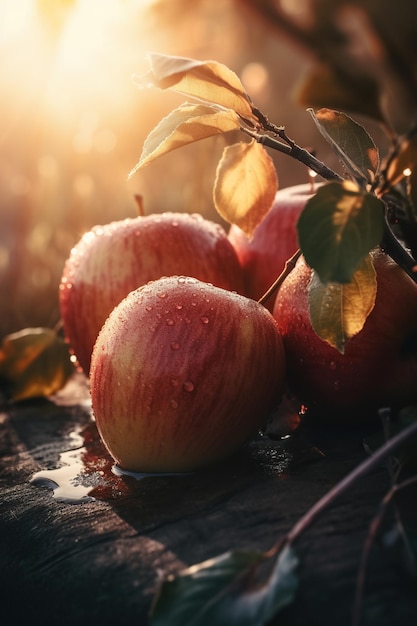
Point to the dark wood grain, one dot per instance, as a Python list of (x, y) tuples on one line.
[(99, 562)]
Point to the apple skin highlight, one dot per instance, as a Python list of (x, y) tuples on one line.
[(111, 260), (183, 373), (379, 364)]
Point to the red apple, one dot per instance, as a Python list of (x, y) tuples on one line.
[(379, 364), (183, 373), (274, 241), (111, 260)]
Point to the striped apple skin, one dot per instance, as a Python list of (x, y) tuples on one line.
[(183, 373), (111, 260)]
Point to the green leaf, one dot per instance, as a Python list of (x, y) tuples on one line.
[(228, 591), (350, 141), (35, 362), (186, 124), (337, 228), (245, 185), (209, 81), (338, 312)]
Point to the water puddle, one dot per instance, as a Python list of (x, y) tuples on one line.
[(86, 472), (71, 481)]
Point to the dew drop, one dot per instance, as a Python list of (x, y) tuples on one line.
[(162, 294), (174, 382), (205, 320), (173, 404), (178, 306), (175, 345), (170, 322), (333, 365), (188, 386)]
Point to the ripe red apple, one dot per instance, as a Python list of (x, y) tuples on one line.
[(274, 241), (111, 260), (379, 364), (182, 374)]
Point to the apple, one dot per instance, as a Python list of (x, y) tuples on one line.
[(182, 374), (274, 241), (379, 364), (113, 259)]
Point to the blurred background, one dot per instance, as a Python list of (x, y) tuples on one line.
[(72, 124)]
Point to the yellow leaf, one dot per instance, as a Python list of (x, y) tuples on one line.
[(205, 80), (339, 311), (186, 124), (245, 185), (35, 362)]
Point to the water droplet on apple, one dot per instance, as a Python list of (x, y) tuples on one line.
[(178, 306), (162, 294), (173, 404), (175, 345), (174, 382), (187, 320), (181, 280), (333, 365), (170, 322), (188, 386), (205, 320)]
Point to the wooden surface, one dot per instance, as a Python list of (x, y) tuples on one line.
[(99, 561)]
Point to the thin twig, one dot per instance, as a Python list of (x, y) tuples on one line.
[(289, 266), (296, 152), (357, 473), (373, 530), (394, 248)]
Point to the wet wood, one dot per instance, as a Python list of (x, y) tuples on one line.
[(99, 561)]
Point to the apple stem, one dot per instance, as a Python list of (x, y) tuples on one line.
[(289, 266), (139, 203)]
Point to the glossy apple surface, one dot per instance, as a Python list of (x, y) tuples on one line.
[(111, 260), (275, 240), (379, 365), (183, 374)]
